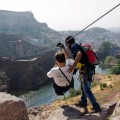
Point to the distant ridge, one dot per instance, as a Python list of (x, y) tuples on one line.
[(24, 23), (115, 29), (15, 26)]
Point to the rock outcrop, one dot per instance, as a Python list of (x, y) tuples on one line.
[(116, 113), (12, 108), (75, 112), (71, 112), (4, 81)]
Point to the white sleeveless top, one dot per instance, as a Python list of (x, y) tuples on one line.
[(58, 77)]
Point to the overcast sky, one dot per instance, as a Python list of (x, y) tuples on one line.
[(68, 14)]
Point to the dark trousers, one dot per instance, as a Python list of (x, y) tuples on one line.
[(86, 90)]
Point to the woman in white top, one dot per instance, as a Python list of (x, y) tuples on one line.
[(63, 63), (56, 74)]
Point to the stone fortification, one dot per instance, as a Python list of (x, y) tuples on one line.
[(27, 74), (15, 46)]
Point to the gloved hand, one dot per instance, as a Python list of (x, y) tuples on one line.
[(60, 45)]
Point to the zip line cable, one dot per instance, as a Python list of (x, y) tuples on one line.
[(94, 21), (41, 52), (81, 30)]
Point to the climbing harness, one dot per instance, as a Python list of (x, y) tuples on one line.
[(62, 90)]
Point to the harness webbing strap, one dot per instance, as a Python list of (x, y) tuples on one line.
[(65, 76)]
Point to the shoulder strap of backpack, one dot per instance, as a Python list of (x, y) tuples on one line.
[(64, 75), (84, 52)]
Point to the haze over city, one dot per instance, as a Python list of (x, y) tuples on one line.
[(68, 14)]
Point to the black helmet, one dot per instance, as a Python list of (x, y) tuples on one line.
[(70, 40)]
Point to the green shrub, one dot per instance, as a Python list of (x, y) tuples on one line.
[(74, 93), (77, 92), (115, 69), (103, 85), (94, 83), (110, 77), (110, 86)]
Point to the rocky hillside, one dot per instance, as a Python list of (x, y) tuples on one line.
[(94, 36), (14, 46), (24, 26), (25, 23), (22, 35)]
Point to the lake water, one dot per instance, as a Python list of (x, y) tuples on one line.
[(46, 94), (43, 95)]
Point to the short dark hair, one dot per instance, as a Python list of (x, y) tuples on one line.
[(60, 57), (70, 40)]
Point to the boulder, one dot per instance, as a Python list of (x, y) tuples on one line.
[(12, 108), (116, 112), (74, 112)]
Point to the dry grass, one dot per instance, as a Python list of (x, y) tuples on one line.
[(107, 94)]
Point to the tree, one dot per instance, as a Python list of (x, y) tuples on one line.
[(107, 61), (107, 49), (115, 69)]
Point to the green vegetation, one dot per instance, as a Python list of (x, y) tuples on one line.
[(110, 77), (110, 86), (107, 49), (115, 69), (74, 93), (106, 53), (107, 60), (103, 85), (94, 83)]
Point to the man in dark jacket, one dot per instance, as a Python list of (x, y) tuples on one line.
[(86, 73)]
